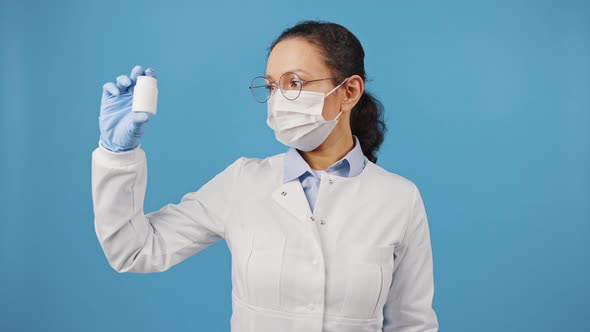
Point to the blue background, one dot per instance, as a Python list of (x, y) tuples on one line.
[(488, 107)]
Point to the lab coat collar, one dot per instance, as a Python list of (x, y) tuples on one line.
[(291, 197), (295, 166)]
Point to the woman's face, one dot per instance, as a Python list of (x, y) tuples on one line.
[(303, 58)]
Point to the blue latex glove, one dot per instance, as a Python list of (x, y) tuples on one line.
[(120, 128)]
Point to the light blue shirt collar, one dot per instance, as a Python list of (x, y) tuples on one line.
[(351, 164)]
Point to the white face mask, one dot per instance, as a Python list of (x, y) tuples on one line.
[(299, 123)]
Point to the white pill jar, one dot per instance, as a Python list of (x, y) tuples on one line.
[(145, 95)]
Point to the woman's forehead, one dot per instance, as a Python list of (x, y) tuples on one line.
[(294, 55)]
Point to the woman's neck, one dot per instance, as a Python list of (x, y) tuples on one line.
[(328, 152)]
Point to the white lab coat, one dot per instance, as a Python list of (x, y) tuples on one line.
[(362, 261)]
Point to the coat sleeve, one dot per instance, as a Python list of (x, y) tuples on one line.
[(142, 243), (408, 307)]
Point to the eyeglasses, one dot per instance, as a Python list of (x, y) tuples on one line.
[(290, 85)]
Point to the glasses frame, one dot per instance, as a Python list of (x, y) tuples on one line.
[(274, 85)]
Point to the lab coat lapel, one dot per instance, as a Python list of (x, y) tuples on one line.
[(291, 197)]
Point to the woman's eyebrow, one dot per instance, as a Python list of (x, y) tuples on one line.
[(290, 71)]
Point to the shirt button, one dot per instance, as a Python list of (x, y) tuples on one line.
[(311, 306), (331, 181), (315, 262)]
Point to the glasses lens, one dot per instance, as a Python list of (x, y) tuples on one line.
[(261, 89), (290, 84)]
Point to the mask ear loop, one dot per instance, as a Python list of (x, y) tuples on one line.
[(339, 113), (327, 94)]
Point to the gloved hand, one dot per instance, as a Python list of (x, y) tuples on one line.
[(120, 128)]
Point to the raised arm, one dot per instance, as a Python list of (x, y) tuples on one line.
[(134, 242), (131, 240)]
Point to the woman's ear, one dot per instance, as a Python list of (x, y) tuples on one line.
[(353, 90)]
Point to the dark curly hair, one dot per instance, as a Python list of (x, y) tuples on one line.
[(343, 53)]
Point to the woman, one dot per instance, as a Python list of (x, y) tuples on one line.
[(321, 238)]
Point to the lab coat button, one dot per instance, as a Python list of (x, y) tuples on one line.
[(315, 262), (284, 193), (311, 306), (331, 181), (312, 218), (322, 221)]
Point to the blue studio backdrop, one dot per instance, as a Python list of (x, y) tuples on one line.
[(488, 109)]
